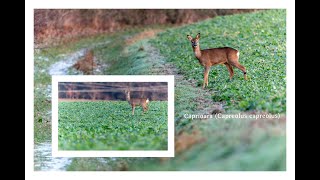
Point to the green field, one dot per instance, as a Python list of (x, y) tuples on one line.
[(261, 39), (109, 125)]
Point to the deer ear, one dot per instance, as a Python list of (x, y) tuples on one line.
[(189, 37), (198, 36)]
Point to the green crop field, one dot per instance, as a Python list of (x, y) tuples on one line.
[(109, 125), (261, 39)]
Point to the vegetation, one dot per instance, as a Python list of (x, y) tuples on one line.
[(109, 125), (261, 39)]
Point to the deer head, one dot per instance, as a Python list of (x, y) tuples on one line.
[(194, 41)]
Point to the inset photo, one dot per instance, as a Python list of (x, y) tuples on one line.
[(112, 116)]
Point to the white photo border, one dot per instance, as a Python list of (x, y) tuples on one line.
[(30, 5)]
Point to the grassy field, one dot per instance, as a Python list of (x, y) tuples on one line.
[(109, 125), (232, 144), (261, 39)]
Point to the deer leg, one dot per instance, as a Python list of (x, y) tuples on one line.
[(206, 78), (230, 69), (132, 110), (207, 83), (242, 68)]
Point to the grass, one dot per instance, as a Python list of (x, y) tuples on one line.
[(229, 145), (102, 164), (261, 39), (109, 125), (42, 114)]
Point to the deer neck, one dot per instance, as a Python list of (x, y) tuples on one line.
[(197, 51), (128, 96)]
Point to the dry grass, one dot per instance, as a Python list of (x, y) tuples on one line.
[(55, 26), (147, 34), (184, 141), (86, 64)]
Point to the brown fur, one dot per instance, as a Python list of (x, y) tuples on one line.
[(214, 56), (137, 102), (71, 93)]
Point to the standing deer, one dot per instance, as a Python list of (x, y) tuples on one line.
[(71, 93), (137, 102), (214, 56)]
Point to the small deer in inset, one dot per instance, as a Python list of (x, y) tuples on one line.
[(214, 56), (71, 92), (137, 102)]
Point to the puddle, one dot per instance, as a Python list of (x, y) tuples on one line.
[(43, 161), (61, 67)]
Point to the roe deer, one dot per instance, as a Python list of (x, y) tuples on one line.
[(137, 102), (71, 92), (214, 56)]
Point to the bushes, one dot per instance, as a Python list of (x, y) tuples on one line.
[(65, 24)]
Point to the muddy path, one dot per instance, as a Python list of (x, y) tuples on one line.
[(43, 160)]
